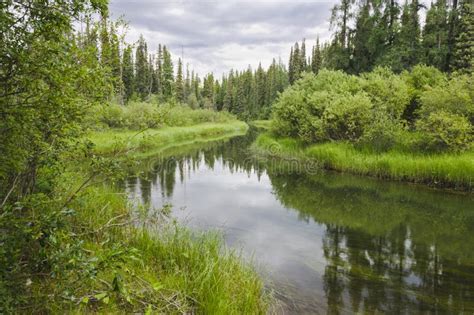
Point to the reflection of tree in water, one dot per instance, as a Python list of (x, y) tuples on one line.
[(232, 152), (388, 248), (383, 254)]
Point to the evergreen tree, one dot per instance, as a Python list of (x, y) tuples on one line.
[(227, 103), (435, 35), (187, 83), (260, 82), (464, 45), (316, 60), (303, 64), (179, 85), (168, 75), (141, 68), (362, 59), (291, 69), (127, 73)]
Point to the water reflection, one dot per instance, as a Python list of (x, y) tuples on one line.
[(330, 242)]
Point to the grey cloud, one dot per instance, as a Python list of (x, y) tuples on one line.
[(204, 27)]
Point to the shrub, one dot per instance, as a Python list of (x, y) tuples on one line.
[(382, 134), (347, 117), (455, 96), (444, 131), (387, 91)]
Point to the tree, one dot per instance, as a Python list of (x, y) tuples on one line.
[(142, 68), (316, 60), (435, 35), (464, 46), (179, 84), (168, 76), (128, 77)]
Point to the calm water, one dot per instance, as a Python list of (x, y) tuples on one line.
[(325, 243)]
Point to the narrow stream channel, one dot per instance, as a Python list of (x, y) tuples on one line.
[(324, 242)]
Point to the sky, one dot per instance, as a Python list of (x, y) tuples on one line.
[(215, 36)]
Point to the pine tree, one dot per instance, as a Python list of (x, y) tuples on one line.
[(435, 35), (362, 60), (168, 75), (316, 60), (179, 84), (260, 82), (291, 69), (303, 63), (187, 83), (127, 73), (227, 104), (464, 46), (141, 67)]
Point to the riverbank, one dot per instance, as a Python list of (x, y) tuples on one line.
[(153, 141), (106, 255), (453, 171)]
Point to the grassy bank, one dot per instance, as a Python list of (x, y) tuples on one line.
[(152, 141), (262, 124), (96, 253), (124, 261), (441, 170)]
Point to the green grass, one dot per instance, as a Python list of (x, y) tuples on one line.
[(263, 124), (144, 265), (153, 141), (440, 170)]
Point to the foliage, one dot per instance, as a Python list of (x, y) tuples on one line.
[(444, 170), (445, 131), (372, 109)]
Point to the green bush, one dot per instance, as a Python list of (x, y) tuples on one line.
[(444, 131), (387, 91), (455, 96), (382, 134), (347, 117)]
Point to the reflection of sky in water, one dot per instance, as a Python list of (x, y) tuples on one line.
[(314, 267)]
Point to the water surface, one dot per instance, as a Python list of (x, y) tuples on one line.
[(325, 242)]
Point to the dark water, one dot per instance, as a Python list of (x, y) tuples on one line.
[(326, 242)]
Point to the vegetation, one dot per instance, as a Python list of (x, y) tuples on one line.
[(152, 141), (417, 126), (69, 241), (380, 110), (440, 170)]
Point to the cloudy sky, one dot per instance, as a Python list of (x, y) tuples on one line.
[(216, 36)]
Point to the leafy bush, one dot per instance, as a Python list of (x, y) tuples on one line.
[(444, 131), (141, 115), (455, 96), (387, 91), (382, 134), (347, 117), (372, 110)]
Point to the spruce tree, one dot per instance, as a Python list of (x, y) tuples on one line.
[(141, 68), (316, 58), (291, 69), (464, 46), (168, 75), (303, 63), (179, 84), (127, 72), (435, 35)]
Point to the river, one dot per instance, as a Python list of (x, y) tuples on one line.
[(324, 242)]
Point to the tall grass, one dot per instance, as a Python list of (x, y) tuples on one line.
[(449, 170), (152, 141), (131, 263)]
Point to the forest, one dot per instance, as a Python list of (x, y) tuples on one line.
[(390, 95)]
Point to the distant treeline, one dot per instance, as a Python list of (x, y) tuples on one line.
[(138, 74), (389, 34), (371, 34)]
